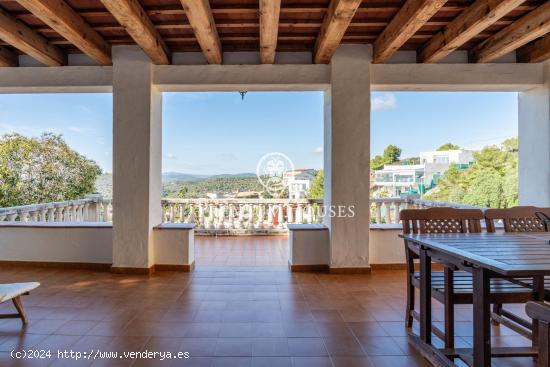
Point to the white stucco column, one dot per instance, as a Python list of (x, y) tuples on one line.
[(347, 156), (137, 140), (534, 144)]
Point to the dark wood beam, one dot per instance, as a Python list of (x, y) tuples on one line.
[(524, 30), (467, 25), (7, 57), (408, 20), (269, 29), (200, 17), (18, 35), (335, 23), (65, 21), (537, 51), (135, 21)]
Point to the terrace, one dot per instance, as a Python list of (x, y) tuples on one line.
[(130, 274)]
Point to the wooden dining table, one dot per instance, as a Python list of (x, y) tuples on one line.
[(485, 256)]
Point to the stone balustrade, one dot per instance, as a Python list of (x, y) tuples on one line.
[(92, 208), (242, 215), (217, 215)]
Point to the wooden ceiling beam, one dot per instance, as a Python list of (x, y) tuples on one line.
[(467, 25), (335, 23), (408, 20), (537, 51), (64, 20), (524, 30), (200, 17), (18, 35), (7, 57), (135, 21), (269, 29)]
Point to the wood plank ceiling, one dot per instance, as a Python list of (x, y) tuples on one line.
[(48, 30)]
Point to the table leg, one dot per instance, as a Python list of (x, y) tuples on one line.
[(538, 288), (425, 297), (449, 308), (482, 317)]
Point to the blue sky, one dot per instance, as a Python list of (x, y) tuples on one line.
[(212, 133)]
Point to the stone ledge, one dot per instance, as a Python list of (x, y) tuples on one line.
[(13, 224), (307, 227), (186, 226)]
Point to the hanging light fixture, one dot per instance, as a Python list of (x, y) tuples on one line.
[(242, 93)]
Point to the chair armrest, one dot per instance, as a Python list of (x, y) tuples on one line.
[(538, 311)]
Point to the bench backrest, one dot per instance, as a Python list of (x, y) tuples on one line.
[(516, 219), (441, 220)]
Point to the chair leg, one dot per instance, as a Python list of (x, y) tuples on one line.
[(19, 306), (410, 304), (497, 309), (449, 308)]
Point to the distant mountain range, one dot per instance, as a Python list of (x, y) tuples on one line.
[(172, 182)]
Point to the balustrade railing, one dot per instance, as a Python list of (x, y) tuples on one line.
[(92, 208), (242, 214)]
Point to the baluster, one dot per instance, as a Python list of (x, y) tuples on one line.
[(73, 213), (299, 214), (231, 216), (250, 216), (51, 215), (43, 215), (260, 216), (24, 216), (289, 216), (280, 216), (59, 214), (320, 213), (397, 209), (240, 217), (270, 216), (201, 215), (378, 212), (34, 216), (2, 217), (12, 217), (191, 216), (387, 212), (309, 214), (181, 212)]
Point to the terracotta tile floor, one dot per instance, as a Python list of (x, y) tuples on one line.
[(242, 251), (223, 316)]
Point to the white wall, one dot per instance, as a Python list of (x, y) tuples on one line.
[(63, 242), (385, 247), (534, 144), (174, 244)]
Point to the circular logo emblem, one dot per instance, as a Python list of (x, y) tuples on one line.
[(271, 170)]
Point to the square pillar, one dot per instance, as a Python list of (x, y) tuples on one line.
[(137, 141), (347, 158), (534, 144)]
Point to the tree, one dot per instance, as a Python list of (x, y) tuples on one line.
[(36, 170), (492, 181), (448, 146), (391, 154), (317, 190)]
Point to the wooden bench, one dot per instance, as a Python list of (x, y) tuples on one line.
[(14, 291)]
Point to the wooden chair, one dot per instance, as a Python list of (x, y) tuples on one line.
[(449, 220), (518, 219), (541, 311)]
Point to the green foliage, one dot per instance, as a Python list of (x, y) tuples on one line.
[(391, 154), (411, 160), (492, 181), (317, 190), (37, 170), (448, 146), (200, 187)]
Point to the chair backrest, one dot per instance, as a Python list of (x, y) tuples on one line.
[(516, 219), (441, 220)]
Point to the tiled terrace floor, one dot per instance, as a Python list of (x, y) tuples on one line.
[(241, 251), (223, 316)]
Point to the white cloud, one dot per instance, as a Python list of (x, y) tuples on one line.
[(170, 156), (385, 101), (318, 150)]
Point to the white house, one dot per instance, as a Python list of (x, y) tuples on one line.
[(298, 182), (396, 179)]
